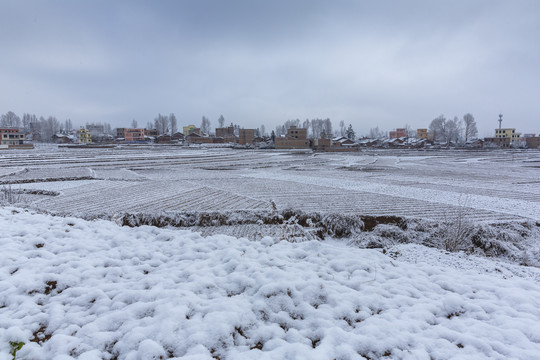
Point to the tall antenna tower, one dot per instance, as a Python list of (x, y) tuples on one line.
[(500, 121)]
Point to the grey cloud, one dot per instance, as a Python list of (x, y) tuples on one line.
[(368, 63)]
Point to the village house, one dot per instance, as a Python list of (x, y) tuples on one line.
[(163, 139), (296, 138), (227, 134), (189, 129), (62, 138), (502, 142), (474, 144), (422, 134), (532, 141), (9, 136), (342, 141), (509, 133), (151, 133), (130, 134), (398, 133), (195, 138), (321, 144), (245, 136), (178, 137), (84, 136)]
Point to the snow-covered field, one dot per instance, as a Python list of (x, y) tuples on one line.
[(496, 186), (93, 290), (71, 288)]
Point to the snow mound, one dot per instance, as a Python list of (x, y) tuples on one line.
[(94, 290)]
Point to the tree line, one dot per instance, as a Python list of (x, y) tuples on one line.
[(442, 129), (42, 128), (453, 130)]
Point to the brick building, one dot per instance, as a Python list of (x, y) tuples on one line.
[(296, 138), (246, 136), (398, 133), (129, 134)]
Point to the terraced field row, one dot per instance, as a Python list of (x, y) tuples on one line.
[(109, 197)]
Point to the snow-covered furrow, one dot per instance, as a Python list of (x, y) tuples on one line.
[(523, 208)]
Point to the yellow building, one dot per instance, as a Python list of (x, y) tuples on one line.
[(188, 129), (84, 136), (507, 133), (421, 133)]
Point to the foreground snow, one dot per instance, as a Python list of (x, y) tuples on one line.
[(92, 290)]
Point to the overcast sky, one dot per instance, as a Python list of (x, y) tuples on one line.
[(368, 63)]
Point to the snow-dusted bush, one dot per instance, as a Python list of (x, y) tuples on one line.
[(292, 231), (8, 195), (514, 241), (342, 225)]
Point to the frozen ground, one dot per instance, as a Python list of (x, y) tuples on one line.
[(72, 288), (496, 186)]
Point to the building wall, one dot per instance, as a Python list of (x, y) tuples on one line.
[(246, 136), (503, 142), (288, 143), (84, 136), (188, 129), (321, 144), (533, 142), (422, 133), (507, 133), (129, 134), (151, 132), (398, 133), (11, 137), (134, 135), (225, 132), (297, 133), (204, 140)]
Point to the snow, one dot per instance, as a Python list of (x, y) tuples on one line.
[(496, 186), (94, 290), (519, 207)]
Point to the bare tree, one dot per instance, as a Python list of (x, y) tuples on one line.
[(262, 130), (307, 125), (221, 121), (409, 130), (11, 120), (205, 125), (48, 127), (35, 125), (375, 133), (328, 127), (280, 131), (161, 123), (290, 123), (68, 126), (342, 128), (107, 129), (134, 124), (453, 130), (470, 130), (438, 128), (26, 121), (173, 124)]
